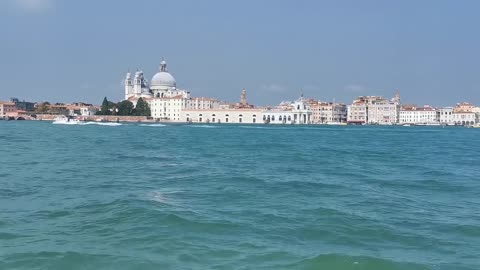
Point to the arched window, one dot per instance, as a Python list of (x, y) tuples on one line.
[(273, 117), (280, 118), (289, 118)]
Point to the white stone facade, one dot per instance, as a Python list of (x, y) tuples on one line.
[(222, 116), (422, 115), (298, 113), (384, 113), (464, 118)]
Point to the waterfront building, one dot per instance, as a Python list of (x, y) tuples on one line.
[(464, 114), (166, 101), (357, 112), (82, 109), (223, 115), (327, 112), (8, 109), (206, 110), (445, 115), (23, 105), (297, 112), (458, 115), (411, 114), (464, 118), (476, 110), (374, 110)]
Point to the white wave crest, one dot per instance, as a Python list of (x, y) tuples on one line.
[(153, 125), (62, 122), (163, 196), (80, 123), (202, 126)]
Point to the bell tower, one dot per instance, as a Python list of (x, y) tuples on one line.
[(243, 98), (128, 85)]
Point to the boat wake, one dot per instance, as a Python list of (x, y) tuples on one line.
[(64, 122), (202, 126), (153, 125), (80, 123)]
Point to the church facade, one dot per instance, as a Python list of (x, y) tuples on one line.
[(166, 101), (169, 103)]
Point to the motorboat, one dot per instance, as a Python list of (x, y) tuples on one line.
[(65, 120)]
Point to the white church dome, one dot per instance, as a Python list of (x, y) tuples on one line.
[(163, 78)]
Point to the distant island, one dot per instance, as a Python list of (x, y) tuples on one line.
[(161, 101)]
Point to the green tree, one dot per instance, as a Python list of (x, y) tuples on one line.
[(125, 108), (105, 108), (43, 107), (142, 108)]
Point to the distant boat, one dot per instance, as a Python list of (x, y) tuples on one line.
[(406, 125), (336, 124), (66, 120)]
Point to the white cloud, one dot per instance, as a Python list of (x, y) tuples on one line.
[(34, 6)]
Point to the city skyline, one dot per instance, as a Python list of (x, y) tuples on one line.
[(328, 50)]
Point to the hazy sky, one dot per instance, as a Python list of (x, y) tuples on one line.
[(64, 51)]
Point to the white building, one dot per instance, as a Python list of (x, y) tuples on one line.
[(446, 116), (218, 115), (297, 112), (166, 101), (418, 115), (464, 118), (357, 112), (383, 113), (374, 110)]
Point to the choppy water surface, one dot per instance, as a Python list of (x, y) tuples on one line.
[(137, 196)]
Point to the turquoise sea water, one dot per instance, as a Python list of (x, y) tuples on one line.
[(238, 197)]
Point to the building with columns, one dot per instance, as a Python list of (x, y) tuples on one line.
[(297, 112)]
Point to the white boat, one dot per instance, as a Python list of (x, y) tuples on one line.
[(64, 120), (406, 125)]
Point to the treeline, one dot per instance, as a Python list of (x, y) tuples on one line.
[(124, 108)]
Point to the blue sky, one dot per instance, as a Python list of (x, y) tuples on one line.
[(66, 51)]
